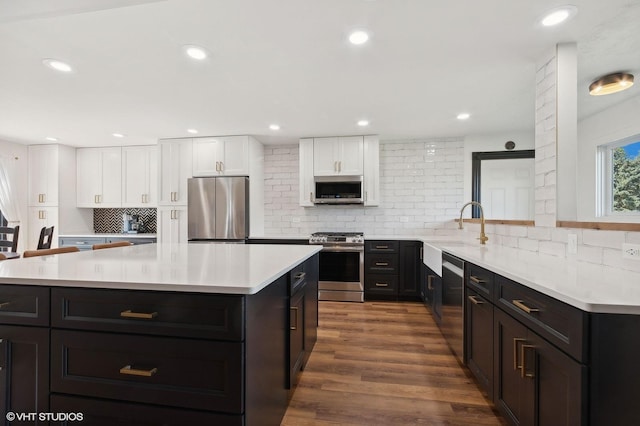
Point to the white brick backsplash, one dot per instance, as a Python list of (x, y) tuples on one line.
[(590, 254), (546, 220), (614, 258), (539, 233), (527, 244), (633, 237), (553, 248), (610, 239)]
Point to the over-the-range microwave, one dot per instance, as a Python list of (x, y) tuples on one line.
[(338, 190)]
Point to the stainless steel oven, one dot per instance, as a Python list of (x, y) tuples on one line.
[(341, 266)]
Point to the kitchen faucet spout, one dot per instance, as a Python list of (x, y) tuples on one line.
[(483, 238)]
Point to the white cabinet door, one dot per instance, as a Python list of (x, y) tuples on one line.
[(350, 156), (40, 217), (99, 177), (325, 156), (208, 153), (235, 161), (43, 175), (338, 156), (139, 176), (306, 172), (172, 223), (174, 160), (371, 173)]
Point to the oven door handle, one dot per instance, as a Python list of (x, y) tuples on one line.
[(342, 249)]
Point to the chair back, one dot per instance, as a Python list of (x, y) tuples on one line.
[(46, 235), (46, 252), (12, 244), (110, 245)]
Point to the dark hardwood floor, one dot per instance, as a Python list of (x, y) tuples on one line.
[(379, 363)]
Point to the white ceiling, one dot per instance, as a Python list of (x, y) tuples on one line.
[(288, 62)]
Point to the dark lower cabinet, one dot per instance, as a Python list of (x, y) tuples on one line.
[(535, 383), (24, 370), (479, 340), (431, 292), (296, 337), (393, 270), (409, 271)]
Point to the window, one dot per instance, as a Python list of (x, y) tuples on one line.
[(619, 170)]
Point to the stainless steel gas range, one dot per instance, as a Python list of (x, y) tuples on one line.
[(341, 266)]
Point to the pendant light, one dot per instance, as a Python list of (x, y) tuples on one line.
[(611, 83)]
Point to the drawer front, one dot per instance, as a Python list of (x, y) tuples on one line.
[(24, 305), (480, 280), (559, 323), (381, 263), (156, 370), (381, 284), (148, 312), (97, 412), (83, 243), (381, 246), (135, 241)]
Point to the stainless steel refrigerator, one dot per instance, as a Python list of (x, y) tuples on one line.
[(218, 209)]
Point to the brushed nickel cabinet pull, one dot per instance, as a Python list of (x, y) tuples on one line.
[(300, 275), (520, 304), (524, 373), (477, 280), (475, 300), (311, 197), (382, 285), (139, 315), (136, 372), (430, 282), (222, 166), (421, 253), (382, 247), (515, 352), (294, 324), (382, 263), (340, 166)]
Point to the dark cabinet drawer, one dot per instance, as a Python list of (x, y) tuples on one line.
[(480, 280), (559, 323), (381, 246), (24, 305), (381, 284), (156, 370), (381, 263), (147, 312), (97, 412)]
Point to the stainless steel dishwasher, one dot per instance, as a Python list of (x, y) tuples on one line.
[(452, 325)]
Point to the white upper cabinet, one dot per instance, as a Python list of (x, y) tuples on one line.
[(139, 176), (221, 156), (174, 160), (371, 176), (306, 172), (43, 175), (338, 156), (99, 177)]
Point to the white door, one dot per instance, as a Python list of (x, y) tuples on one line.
[(306, 172), (40, 217), (507, 189), (175, 158), (207, 155), (325, 156), (351, 156), (43, 175), (371, 171), (172, 224), (135, 176), (236, 156), (111, 177), (89, 176)]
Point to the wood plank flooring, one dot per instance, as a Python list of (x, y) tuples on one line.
[(383, 363)]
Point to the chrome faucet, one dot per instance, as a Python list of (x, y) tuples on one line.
[(483, 238)]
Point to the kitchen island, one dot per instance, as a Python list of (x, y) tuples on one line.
[(155, 334)]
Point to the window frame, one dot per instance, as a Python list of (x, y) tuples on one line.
[(604, 178)]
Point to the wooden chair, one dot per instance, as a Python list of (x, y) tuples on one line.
[(110, 245), (45, 234), (13, 243), (46, 252)]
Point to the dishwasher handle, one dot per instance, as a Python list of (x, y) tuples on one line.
[(453, 268)]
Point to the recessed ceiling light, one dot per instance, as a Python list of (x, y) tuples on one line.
[(558, 15), (274, 127), (195, 52), (363, 123), (358, 37), (118, 135), (192, 131), (463, 116), (51, 139), (611, 83), (57, 65)]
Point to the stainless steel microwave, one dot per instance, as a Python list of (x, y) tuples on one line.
[(338, 190)]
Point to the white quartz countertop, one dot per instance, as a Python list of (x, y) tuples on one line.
[(206, 268), (94, 235), (586, 286)]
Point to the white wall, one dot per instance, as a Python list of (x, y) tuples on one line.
[(19, 179), (610, 125), (421, 192)]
